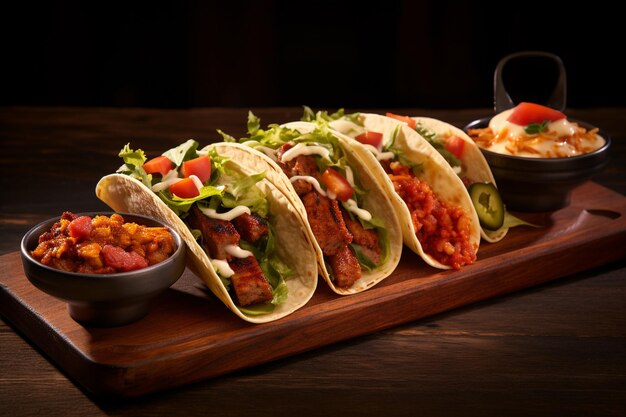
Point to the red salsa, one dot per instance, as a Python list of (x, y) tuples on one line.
[(102, 245), (443, 231)]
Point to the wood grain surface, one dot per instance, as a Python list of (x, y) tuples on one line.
[(554, 349)]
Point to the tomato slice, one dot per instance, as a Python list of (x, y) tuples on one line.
[(337, 184), (185, 188), (370, 138), (406, 119), (200, 167), (455, 146), (160, 164), (527, 113)]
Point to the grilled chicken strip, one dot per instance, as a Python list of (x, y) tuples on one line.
[(251, 227), (217, 234), (367, 239), (346, 269), (326, 222), (248, 282), (300, 165)]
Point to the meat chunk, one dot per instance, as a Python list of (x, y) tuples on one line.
[(367, 239), (300, 165), (249, 283), (251, 227), (326, 222), (216, 234), (346, 269)]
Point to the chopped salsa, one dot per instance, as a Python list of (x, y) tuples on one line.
[(102, 245), (443, 231)]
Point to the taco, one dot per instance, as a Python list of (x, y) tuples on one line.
[(245, 237), (349, 214), (465, 157), (437, 217)]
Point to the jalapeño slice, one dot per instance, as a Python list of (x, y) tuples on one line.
[(488, 205)]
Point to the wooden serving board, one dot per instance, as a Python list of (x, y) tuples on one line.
[(190, 336)]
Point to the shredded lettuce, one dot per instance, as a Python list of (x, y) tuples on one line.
[(438, 144), (133, 164)]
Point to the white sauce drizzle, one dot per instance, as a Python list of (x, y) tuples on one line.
[(229, 215), (311, 180), (222, 268), (196, 182), (168, 179), (237, 252), (354, 208), (302, 149), (350, 176)]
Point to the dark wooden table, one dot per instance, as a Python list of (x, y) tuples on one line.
[(557, 349)]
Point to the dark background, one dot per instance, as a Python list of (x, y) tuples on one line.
[(325, 54)]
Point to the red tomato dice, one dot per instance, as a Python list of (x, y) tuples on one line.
[(123, 261), (455, 146), (406, 119), (185, 188), (200, 167), (370, 138), (527, 113), (80, 228), (160, 165), (337, 184)]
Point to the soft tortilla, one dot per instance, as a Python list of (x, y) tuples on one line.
[(436, 172), (474, 164), (126, 194), (377, 202)]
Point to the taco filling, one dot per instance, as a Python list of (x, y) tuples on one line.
[(444, 231), (351, 239), (226, 212)]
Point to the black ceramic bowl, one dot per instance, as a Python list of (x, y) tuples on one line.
[(542, 184), (104, 300)]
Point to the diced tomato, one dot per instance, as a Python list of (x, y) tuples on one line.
[(337, 184), (455, 146), (406, 119), (160, 164), (200, 167), (123, 261), (185, 188), (527, 113), (370, 138), (80, 228)]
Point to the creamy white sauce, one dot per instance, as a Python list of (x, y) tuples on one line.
[(229, 215), (196, 182), (351, 206), (350, 176), (237, 252), (168, 179), (303, 149), (222, 268), (346, 127), (544, 147), (261, 148), (311, 180)]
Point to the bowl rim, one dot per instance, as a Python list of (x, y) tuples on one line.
[(538, 160), (26, 252)]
